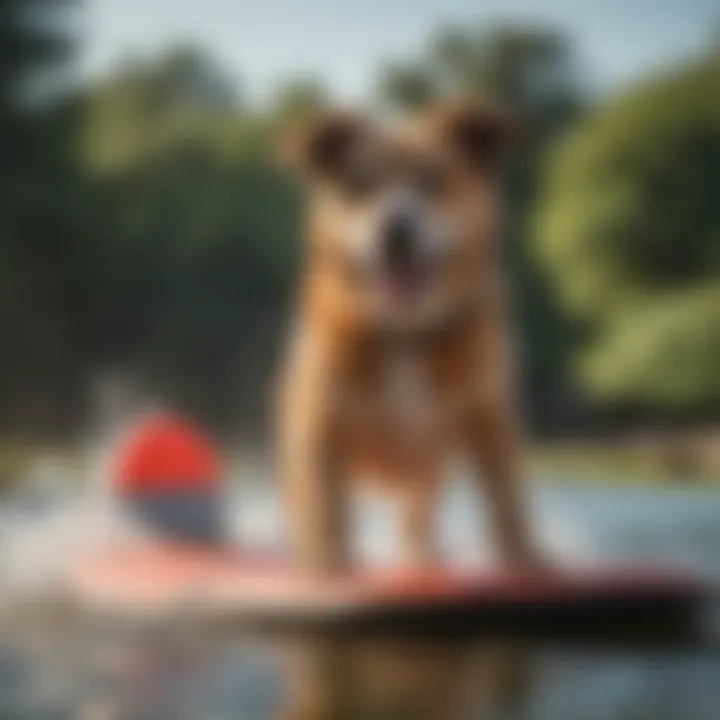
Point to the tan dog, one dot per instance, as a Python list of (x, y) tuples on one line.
[(400, 354)]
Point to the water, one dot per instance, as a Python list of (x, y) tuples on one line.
[(80, 670)]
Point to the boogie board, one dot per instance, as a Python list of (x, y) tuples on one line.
[(164, 581)]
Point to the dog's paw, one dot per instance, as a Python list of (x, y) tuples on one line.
[(527, 560), (421, 558), (326, 566)]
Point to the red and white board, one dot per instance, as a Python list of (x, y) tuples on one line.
[(166, 581)]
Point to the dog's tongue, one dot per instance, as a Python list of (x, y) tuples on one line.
[(404, 280)]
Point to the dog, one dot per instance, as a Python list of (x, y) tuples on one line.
[(400, 354)]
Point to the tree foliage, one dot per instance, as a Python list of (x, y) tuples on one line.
[(629, 233), (41, 245), (196, 233), (528, 69), (143, 227)]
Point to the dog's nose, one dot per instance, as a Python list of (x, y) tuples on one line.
[(399, 238)]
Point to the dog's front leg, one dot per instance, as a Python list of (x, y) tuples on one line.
[(495, 449), (314, 488), (419, 498)]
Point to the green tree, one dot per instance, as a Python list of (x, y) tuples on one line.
[(31, 42), (298, 98), (528, 69), (629, 234), (195, 236), (39, 239), (408, 85), (151, 105)]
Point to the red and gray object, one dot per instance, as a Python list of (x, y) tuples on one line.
[(167, 474)]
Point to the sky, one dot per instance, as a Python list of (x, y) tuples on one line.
[(264, 41)]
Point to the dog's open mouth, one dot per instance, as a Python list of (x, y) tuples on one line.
[(405, 278)]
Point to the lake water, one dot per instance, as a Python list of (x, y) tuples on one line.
[(72, 670)]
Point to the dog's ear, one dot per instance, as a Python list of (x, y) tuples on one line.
[(482, 134), (323, 147)]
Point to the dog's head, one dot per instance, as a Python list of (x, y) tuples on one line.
[(405, 216)]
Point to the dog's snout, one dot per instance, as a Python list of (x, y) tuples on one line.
[(399, 238)]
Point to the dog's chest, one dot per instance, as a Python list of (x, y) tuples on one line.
[(400, 395), (406, 391)]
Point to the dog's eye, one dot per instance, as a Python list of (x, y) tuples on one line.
[(432, 180), (362, 181)]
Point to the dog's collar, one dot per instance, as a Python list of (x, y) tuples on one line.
[(438, 332)]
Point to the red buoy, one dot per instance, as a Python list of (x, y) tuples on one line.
[(164, 453), (167, 476)]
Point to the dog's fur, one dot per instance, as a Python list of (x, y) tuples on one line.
[(400, 354)]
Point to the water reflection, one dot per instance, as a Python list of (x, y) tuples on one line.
[(335, 679), (60, 670), (188, 674), (309, 679)]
